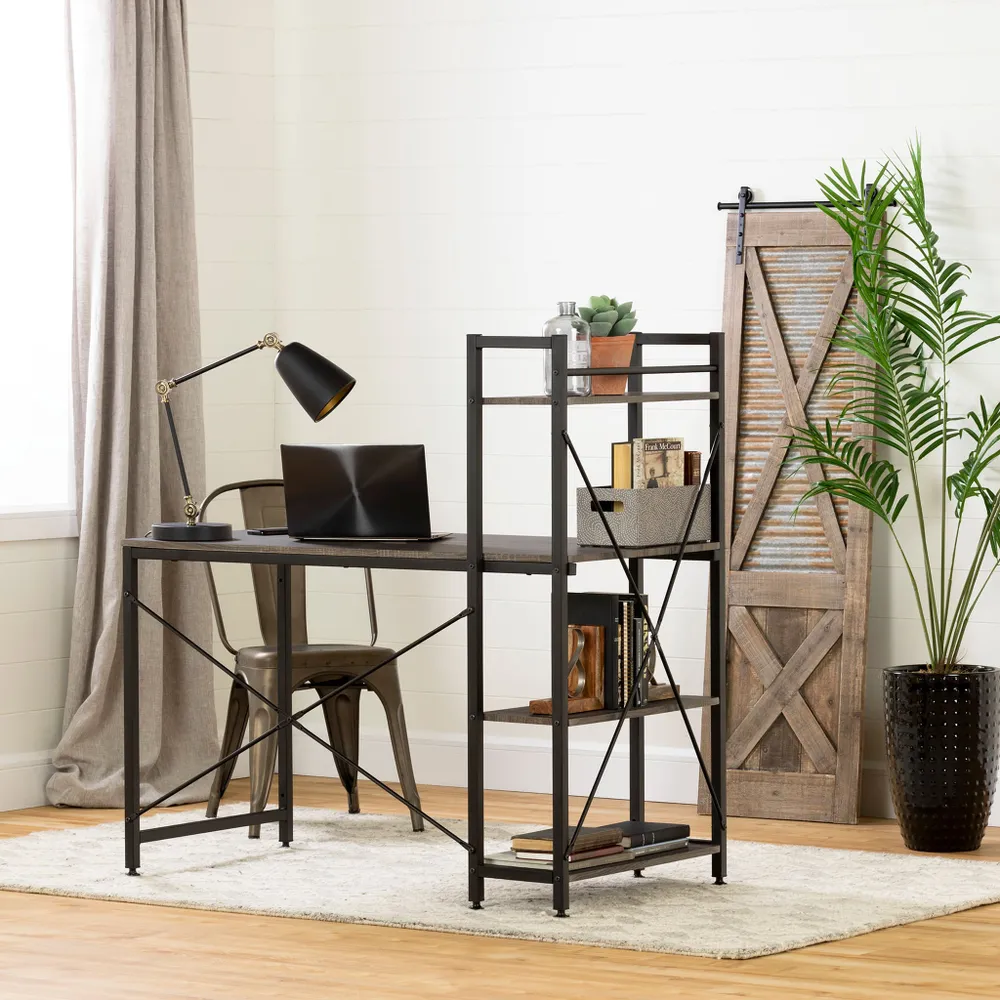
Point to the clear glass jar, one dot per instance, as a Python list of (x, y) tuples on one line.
[(577, 332)]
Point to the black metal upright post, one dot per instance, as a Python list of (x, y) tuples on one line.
[(284, 602), (560, 624), (637, 726), (717, 606), (130, 708), (474, 584)]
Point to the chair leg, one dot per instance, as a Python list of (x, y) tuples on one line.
[(385, 683), (343, 723), (236, 724), (262, 758)]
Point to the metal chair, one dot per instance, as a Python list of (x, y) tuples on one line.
[(319, 666)]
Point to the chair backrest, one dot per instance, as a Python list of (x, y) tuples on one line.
[(263, 503), (264, 507)]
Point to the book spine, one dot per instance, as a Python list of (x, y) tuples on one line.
[(692, 468), (638, 471), (638, 655)]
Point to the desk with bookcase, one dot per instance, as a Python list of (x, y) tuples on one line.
[(563, 556)]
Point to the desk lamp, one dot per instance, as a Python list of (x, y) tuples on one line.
[(318, 385)]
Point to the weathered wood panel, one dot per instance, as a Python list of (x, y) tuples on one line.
[(799, 574)]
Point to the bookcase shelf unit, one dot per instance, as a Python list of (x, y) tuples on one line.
[(561, 555)]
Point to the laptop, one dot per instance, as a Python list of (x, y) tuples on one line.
[(373, 492)]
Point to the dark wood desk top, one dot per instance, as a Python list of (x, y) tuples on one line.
[(502, 553)]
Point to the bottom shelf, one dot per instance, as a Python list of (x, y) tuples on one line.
[(695, 849)]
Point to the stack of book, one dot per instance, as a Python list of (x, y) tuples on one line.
[(653, 463), (597, 845)]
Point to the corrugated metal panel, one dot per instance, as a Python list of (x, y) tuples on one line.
[(800, 281)]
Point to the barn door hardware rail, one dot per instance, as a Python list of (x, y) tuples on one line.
[(745, 199)]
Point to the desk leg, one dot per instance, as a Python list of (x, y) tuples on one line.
[(130, 709), (284, 601)]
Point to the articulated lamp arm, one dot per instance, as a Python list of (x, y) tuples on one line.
[(191, 509)]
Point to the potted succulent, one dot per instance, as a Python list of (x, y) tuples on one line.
[(910, 328), (611, 341)]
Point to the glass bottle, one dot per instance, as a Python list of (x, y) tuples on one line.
[(577, 332)]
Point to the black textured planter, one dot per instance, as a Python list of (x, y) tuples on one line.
[(941, 734)]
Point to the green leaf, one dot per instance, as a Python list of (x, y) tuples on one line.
[(600, 329), (623, 326), (586, 313), (600, 303), (607, 316), (624, 308)]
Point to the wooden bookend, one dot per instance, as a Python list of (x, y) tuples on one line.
[(591, 663)]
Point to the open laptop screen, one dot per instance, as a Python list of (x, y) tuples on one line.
[(356, 491)]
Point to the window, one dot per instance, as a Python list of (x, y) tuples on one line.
[(36, 263)]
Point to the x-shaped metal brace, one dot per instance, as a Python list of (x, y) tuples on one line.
[(293, 719), (654, 633)]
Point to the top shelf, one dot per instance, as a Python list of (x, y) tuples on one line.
[(626, 397)]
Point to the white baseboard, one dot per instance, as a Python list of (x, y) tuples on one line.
[(22, 779), (519, 764)]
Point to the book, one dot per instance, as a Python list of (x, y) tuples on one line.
[(591, 838), (621, 465), (600, 852), (667, 845), (511, 859), (632, 645), (647, 834), (600, 610), (692, 468), (657, 462)]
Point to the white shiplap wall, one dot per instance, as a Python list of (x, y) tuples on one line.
[(379, 178), (36, 598), (449, 166), (231, 48)]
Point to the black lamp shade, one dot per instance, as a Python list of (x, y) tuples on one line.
[(319, 385)]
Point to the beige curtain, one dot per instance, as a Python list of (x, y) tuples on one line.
[(136, 318)]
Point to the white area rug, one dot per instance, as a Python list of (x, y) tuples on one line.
[(373, 869)]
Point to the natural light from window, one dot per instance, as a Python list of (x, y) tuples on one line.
[(36, 259)]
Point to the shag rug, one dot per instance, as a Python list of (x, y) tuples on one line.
[(371, 869)]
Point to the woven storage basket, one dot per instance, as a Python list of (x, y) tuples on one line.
[(642, 517)]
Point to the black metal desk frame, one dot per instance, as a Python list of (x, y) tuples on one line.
[(476, 554), (283, 555)]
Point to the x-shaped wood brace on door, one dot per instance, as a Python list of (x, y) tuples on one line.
[(782, 681), (795, 394)]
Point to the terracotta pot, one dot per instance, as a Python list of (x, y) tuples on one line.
[(610, 352)]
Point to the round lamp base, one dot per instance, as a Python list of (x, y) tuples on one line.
[(180, 531)]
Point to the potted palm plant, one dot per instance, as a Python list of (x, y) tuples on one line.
[(910, 328)]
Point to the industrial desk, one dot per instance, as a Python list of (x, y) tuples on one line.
[(501, 554)]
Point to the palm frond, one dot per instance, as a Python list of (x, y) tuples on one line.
[(912, 322), (864, 479), (983, 429)]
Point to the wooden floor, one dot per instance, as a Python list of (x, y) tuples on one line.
[(52, 947)]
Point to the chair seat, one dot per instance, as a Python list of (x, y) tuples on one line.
[(314, 656)]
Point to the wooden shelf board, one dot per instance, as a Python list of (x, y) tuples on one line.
[(694, 849), (523, 716)]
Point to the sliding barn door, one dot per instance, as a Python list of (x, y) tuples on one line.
[(798, 585)]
